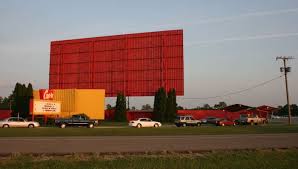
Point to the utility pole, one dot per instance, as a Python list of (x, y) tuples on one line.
[(286, 69)]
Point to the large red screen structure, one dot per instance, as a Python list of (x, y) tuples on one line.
[(136, 64)]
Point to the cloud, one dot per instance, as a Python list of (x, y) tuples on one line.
[(246, 15), (255, 37), (224, 19)]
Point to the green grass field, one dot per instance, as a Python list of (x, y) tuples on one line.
[(126, 131), (261, 159)]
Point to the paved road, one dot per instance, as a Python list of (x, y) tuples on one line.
[(113, 144)]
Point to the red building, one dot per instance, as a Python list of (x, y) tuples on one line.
[(231, 112), (5, 114), (130, 115)]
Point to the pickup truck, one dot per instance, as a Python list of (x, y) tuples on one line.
[(75, 120), (252, 119)]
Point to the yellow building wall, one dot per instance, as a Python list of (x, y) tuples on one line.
[(90, 102), (78, 101), (67, 98)]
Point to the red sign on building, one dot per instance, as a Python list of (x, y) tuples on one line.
[(46, 94), (136, 64)]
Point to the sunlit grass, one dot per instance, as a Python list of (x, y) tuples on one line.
[(261, 159)]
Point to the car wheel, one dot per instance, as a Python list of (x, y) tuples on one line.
[(156, 125), (184, 124), (5, 126), (91, 125), (31, 126), (63, 125), (199, 124), (139, 126)]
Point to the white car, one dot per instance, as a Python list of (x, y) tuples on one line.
[(144, 122), (18, 122)]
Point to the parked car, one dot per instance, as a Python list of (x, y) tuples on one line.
[(252, 119), (76, 120), (275, 117), (144, 122), (213, 120), (204, 121), (225, 122), (187, 121), (18, 122)]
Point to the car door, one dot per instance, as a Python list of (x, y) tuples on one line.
[(84, 120), (12, 122), (150, 123), (21, 123), (75, 120), (192, 121), (187, 120), (144, 122)]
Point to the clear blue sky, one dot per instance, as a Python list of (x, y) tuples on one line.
[(228, 45)]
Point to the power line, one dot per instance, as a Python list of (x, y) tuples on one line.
[(235, 92)]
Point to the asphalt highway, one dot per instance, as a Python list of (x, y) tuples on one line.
[(131, 144)]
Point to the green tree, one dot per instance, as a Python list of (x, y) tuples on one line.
[(120, 109), (206, 107), (284, 110), (160, 101), (180, 108), (27, 97), (21, 99), (16, 106), (109, 107), (146, 107), (220, 105), (4, 103), (171, 109)]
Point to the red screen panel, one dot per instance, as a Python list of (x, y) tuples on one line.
[(136, 64)]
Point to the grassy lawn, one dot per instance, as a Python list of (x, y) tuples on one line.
[(261, 159), (203, 130)]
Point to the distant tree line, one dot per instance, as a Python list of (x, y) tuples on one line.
[(218, 106), (283, 110), (5, 102)]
